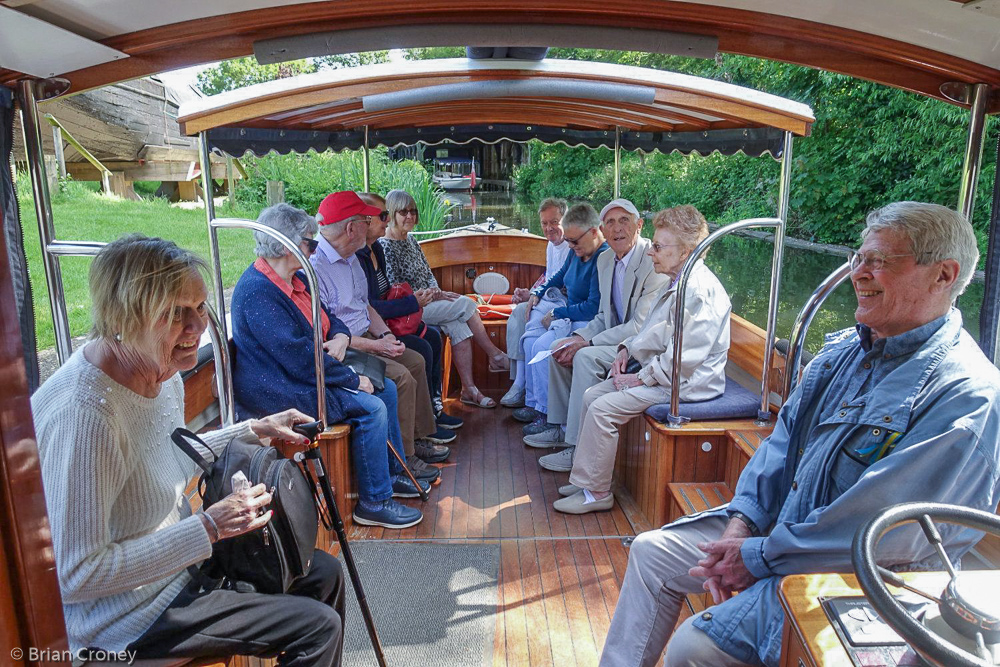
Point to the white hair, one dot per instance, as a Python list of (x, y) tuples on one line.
[(936, 233), (290, 221)]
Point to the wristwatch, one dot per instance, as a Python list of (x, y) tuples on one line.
[(382, 335), (754, 531)]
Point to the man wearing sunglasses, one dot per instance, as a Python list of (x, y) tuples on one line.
[(904, 407), (344, 220)]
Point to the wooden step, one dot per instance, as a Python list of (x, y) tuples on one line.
[(742, 445), (693, 497)]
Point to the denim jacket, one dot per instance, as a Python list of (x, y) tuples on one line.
[(924, 430)]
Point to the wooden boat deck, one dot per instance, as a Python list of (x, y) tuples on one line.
[(559, 574)]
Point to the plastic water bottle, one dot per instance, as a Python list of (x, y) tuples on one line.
[(240, 482)]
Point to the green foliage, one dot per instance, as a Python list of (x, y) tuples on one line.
[(242, 72), (351, 60), (432, 52), (311, 177), (870, 145)]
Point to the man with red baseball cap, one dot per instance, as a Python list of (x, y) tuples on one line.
[(344, 218)]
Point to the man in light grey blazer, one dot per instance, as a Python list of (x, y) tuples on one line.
[(628, 286)]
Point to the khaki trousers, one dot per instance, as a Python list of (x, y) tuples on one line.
[(606, 410), (416, 412), (651, 598), (567, 386)]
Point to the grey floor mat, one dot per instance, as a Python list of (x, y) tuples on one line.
[(433, 604)]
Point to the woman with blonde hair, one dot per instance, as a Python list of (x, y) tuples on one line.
[(123, 532), (455, 314)]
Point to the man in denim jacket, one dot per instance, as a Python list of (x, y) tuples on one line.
[(904, 408)]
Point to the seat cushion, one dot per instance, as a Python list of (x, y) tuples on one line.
[(736, 402)]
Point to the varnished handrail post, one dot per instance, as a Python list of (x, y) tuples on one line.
[(365, 167), (980, 94), (618, 162)]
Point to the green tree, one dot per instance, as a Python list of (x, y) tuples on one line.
[(352, 59), (242, 72)]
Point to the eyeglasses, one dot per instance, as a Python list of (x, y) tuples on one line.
[(383, 216), (874, 260), (312, 245), (574, 242), (408, 212), (657, 247)]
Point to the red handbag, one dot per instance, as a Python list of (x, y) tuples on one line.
[(405, 325)]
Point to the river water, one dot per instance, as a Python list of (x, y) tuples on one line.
[(743, 265)]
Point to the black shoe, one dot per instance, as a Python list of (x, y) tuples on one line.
[(431, 453), (441, 437), (444, 420), (391, 515), (421, 470), (402, 487)]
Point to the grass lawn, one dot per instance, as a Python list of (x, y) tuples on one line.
[(83, 215)]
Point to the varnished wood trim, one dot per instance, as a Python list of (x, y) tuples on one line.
[(485, 248), (743, 32), (25, 534)]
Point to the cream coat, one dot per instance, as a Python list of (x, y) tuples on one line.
[(706, 338), (641, 286)]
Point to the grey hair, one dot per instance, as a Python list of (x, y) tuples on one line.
[(581, 215), (553, 202), (935, 232), (397, 200), (290, 221)]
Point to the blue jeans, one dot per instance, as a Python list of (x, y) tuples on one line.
[(373, 464)]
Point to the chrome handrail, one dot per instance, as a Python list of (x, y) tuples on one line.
[(317, 312), (223, 367), (674, 420), (804, 320)]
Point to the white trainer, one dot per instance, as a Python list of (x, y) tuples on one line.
[(514, 398)]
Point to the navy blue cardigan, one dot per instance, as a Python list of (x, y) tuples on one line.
[(274, 368), (386, 308)]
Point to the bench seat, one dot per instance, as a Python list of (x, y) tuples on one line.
[(736, 402), (693, 497)]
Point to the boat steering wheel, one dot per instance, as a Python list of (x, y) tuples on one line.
[(968, 619)]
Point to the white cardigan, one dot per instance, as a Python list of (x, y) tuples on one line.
[(122, 529)]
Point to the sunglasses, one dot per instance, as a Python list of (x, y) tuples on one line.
[(312, 245), (575, 241), (408, 211), (383, 216)]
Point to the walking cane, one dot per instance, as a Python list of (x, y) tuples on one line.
[(420, 489), (312, 453)]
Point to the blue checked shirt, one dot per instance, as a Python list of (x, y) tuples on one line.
[(913, 417)]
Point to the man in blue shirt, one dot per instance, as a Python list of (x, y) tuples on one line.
[(904, 408)]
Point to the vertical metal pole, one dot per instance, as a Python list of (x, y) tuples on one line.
[(618, 161), (784, 188), (43, 212), (364, 150), (57, 140), (213, 239), (973, 150), (231, 182)]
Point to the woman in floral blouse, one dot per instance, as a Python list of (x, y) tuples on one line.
[(455, 314)]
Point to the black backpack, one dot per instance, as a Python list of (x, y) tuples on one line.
[(270, 559)]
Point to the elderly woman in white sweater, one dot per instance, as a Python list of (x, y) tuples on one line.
[(122, 529)]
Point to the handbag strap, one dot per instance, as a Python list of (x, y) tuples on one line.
[(180, 437)]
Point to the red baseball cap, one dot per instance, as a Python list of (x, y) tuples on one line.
[(342, 205)]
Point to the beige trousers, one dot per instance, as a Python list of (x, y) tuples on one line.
[(416, 412), (567, 386), (606, 410)]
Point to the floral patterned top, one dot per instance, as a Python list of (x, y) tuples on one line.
[(405, 263)]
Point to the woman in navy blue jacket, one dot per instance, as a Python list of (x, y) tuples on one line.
[(427, 340), (274, 368)]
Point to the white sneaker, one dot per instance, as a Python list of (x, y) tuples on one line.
[(561, 461), (514, 398)]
